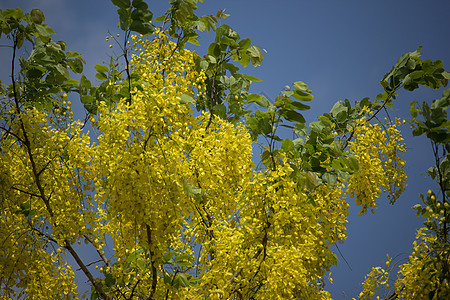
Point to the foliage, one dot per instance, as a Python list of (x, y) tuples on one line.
[(169, 198)]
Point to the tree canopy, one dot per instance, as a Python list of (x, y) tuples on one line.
[(163, 187)]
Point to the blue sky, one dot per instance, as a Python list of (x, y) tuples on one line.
[(341, 49)]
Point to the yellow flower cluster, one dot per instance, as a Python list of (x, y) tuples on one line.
[(151, 150), (381, 167), (373, 281), (280, 242), (41, 200), (418, 277), (160, 178)]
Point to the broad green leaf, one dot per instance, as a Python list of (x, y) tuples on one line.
[(244, 44), (35, 72), (293, 116), (300, 129), (300, 106), (193, 40), (442, 102), (43, 33), (204, 64), (287, 145), (141, 27), (186, 99), (256, 55), (109, 280), (258, 99), (329, 178), (353, 163), (121, 3), (85, 82), (62, 71), (124, 17), (140, 4), (229, 32), (214, 50), (76, 65), (302, 96), (251, 78), (244, 60), (101, 68), (160, 18), (141, 15), (312, 180), (37, 16), (200, 25), (339, 111), (100, 76), (301, 86)]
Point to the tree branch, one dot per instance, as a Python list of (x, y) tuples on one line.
[(154, 271)]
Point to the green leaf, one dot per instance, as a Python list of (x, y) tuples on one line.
[(353, 163), (109, 280), (244, 60), (258, 99), (85, 82), (141, 27), (244, 44), (200, 25), (312, 180), (302, 96), (76, 65), (214, 50), (300, 129), (139, 4), (35, 72), (191, 190), (37, 16), (101, 68), (141, 15), (287, 145), (186, 99), (301, 86), (183, 256), (160, 18), (293, 116), (43, 33), (124, 17), (300, 106), (62, 71), (121, 3), (329, 178), (101, 76), (339, 111), (251, 78), (229, 32), (256, 55)]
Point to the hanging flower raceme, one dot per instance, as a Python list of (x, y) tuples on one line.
[(381, 167)]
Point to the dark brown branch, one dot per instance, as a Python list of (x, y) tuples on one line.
[(85, 270), (102, 256), (152, 257), (11, 133), (127, 65), (25, 192)]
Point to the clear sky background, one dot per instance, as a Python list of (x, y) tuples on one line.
[(341, 49)]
